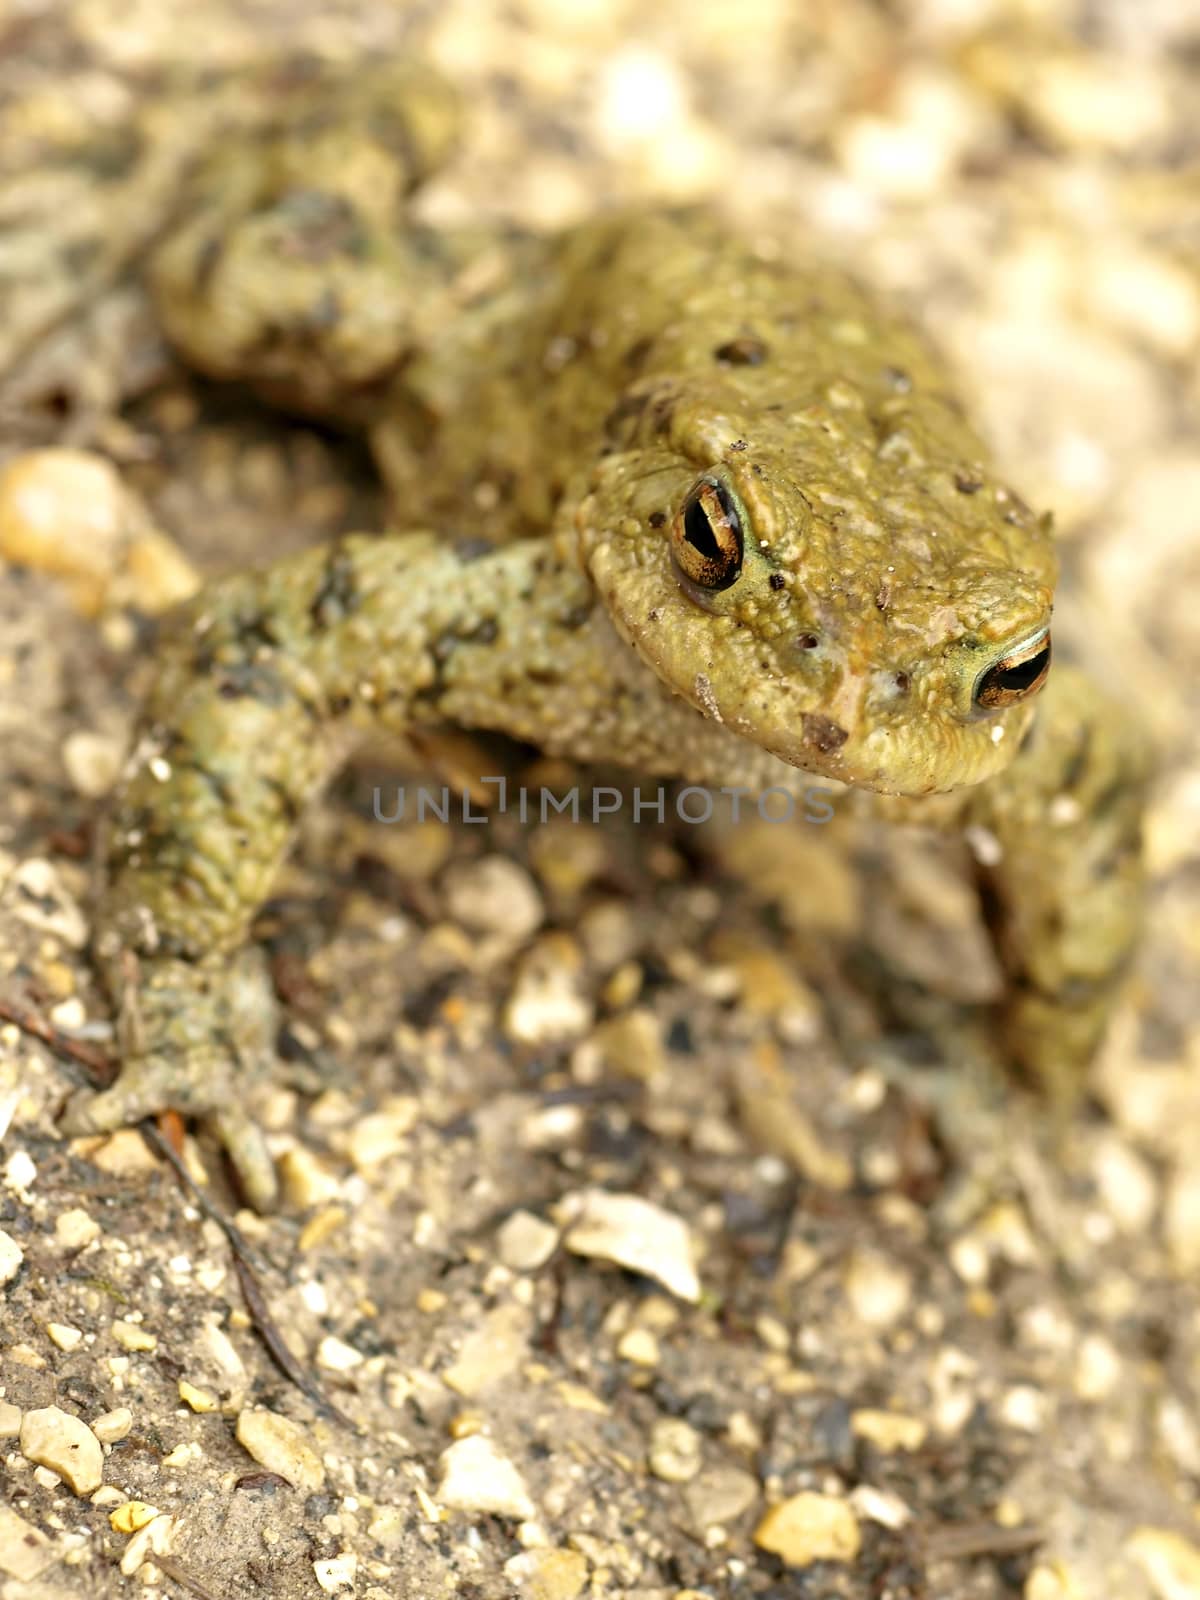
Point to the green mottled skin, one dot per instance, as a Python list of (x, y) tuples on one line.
[(540, 409)]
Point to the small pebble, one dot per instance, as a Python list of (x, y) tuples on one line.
[(113, 1426), (880, 1505), (810, 1527), (889, 1430), (879, 1290), (676, 1451), (548, 1574), (133, 1337), (280, 1445), (64, 512), (131, 1515), (631, 1045), (75, 1229), (525, 1242), (10, 1420), (307, 1180), (638, 1235), (337, 1574), (547, 1004), (197, 1399), (64, 1336), (67, 1446), (493, 895), (152, 1540), (490, 1353), (477, 1478), (335, 1355), (1181, 1218), (383, 1135), (1171, 1563), (39, 898), (718, 1496), (639, 1345), (123, 1154), (11, 1257), (1098, 1368), (92, 762)]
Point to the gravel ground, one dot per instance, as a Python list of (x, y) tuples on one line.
[(659, 1221)]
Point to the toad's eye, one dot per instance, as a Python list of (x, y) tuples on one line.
[(706, 536), (1015, 676)]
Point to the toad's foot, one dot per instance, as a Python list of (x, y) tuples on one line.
[(195, 1037)]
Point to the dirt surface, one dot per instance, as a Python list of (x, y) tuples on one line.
[(869, 1324)]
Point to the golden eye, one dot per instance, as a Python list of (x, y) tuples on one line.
[(1017, 675), (706, 536)]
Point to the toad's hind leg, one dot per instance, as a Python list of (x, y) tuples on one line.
[(1061, 875), (295, 265)]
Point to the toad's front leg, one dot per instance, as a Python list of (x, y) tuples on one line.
[(1058, 839), (266, 679)]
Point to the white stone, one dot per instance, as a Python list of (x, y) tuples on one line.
[(524, 1242), (676, 1451), (337, 1573), (493, 895), (1170, 1563), (113, 1425), (476, 1477), (278, 1444), (11, 1257), (879, 1290), (638, 1235), (67, 1446)]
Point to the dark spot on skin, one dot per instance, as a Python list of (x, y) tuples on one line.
[(627, 409), (822, 734), (390, 129), (288, 804), (253, 680), (662, 412), (635, 356), (902, 682), (776, 581), (80, 255), (739, 445), (1077, 766), (744, 351), (444, 646), (324, 225), (545, 676), (883, 597), (253, 632), (808, 641), (1021, 505), (657, 519), (653, 615), (468, 550), (326, 310), (967, 483), (338, 596), (207, 258), (577, 616), (898, 379)]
